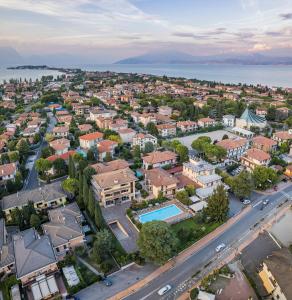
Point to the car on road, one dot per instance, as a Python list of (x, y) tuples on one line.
[(266, 202), (107, 282), (220, 247), (246, 201), (164, 290)]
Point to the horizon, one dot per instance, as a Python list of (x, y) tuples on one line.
[(111, 30)]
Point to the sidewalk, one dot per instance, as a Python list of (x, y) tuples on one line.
[(281, 186), (181, 257)]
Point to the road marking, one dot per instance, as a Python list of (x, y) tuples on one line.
[(276, 242), (257, 203)]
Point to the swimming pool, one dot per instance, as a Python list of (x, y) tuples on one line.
[(160, 214)]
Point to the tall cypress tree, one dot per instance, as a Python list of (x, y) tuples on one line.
[(80, 194), (72, 169), (91, 203), (85, 192), (98, 217)]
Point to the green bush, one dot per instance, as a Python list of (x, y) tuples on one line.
[(194, 294)]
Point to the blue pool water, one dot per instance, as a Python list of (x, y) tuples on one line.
[(160, 214)]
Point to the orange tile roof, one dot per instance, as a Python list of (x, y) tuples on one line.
[(229, 144), (64, 156), (258, 154), (7, 169), (106, 146), (91, 136), (158, 157), (262, 140), (283, 135)]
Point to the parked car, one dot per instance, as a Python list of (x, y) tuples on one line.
[(246, 201), (265, 202), (220, 247), (164, 290)]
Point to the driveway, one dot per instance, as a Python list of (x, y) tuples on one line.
[(121, 280)]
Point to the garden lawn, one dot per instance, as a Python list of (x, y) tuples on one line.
[(191, 230)]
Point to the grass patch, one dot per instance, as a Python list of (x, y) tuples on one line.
[(191, 230)]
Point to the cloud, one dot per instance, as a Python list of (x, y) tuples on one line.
[(190, 35), (260, 47), (287, 16)]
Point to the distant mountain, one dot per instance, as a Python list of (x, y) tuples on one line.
[(171, 57), (9, 56)]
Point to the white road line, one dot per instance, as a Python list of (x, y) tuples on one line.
[(276, 242), (257, 204)]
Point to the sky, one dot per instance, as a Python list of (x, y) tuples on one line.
[(108, 30)]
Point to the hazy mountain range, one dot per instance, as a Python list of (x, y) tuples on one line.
[(173, 57), (10, 57)]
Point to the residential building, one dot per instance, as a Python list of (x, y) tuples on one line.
[(235, 147), (255, 157), (114, 165), (90, 140), (104, 147), (166, 130), (206, 122), (276, 274), (34, 256), (165, 110), (288, 171), (264, 143), (60, 146), (85, 128), (114, 187), (81, 110), (262, 112), (159, 181), (159, 159), (204, 175), (283, 136), (127, 134), (61, 131), (140, 139), (228, 120), (7, 172), (187, 126), (65, 228), (48, 196)]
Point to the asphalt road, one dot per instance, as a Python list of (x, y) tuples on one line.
[(196, 262), (32, 181)]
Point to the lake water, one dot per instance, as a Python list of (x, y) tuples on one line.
[(267, 75), (25, 74)]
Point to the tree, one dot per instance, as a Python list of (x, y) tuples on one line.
[(70, 185), (242, 185), (23, 147), (80, 190), (102, 246), (98, 217), (183, 153), (17, 217), (47, 151), (284, 147), (218, 205), (90, 155), (88, 172), (35, 221), (27, 211), (91, 203), (157, 242), (49, 137), (288, 122), (36, 138), (72, 169), (43, 166), (152, 129), (136, 152), (60, 166), (200, 143), (108, 157), (225, 137), (149, 147), (264, 177), (85, 192), (115, 138), (13, 156), (183, 197), (190, 189)]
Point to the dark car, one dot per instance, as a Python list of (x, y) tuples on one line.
[(107, 282)]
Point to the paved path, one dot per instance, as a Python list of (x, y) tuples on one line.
[(89, 266)]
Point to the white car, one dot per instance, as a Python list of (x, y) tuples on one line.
[(220, 247), (246, 201), (164, 290)]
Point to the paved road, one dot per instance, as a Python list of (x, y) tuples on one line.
[(196, 262), (32, 181)]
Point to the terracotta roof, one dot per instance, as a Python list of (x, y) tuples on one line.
[(84, 127), (262, 140), (283, 135), (258, 154), (186, 123), (229, 144), (159, 177), (91, 136), (157, 157), (7, 169), (64, 156), (126, 130), (106, 146), (60, 129), (206, 120), (165, 126), (60, 144), (113, 165)]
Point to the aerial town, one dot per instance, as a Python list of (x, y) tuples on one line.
[(134, 186)]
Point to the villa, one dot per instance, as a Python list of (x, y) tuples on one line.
[(61, 131), (159, 159), (283, 136), (7, 172), (255, 157), (235, 147), (90, 140), (187, 126), (60, 146), (140, 139), (160, 181), (166, 130), (206, 122), (264, 143)]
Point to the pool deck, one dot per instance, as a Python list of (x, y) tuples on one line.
[(186, 213)]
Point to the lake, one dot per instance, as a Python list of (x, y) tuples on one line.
[(276, 75)]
